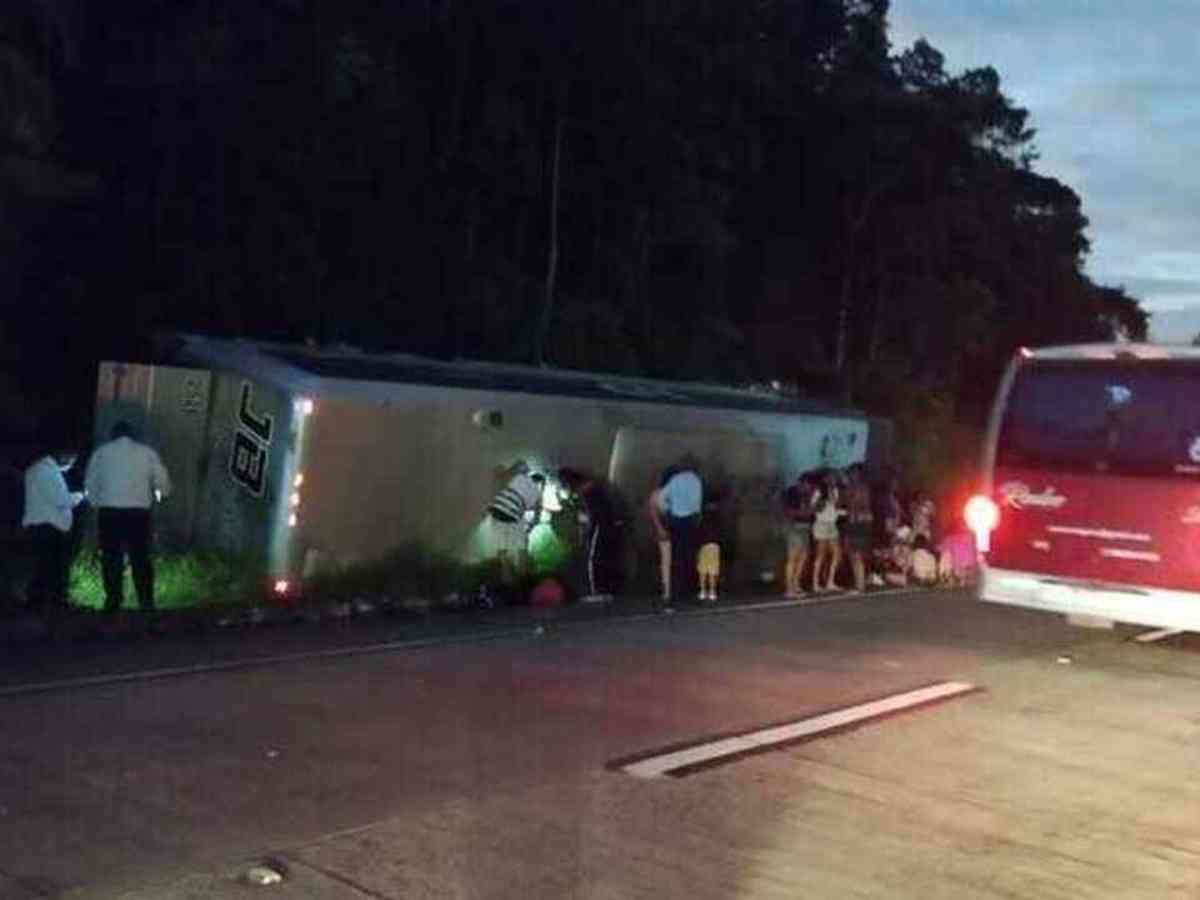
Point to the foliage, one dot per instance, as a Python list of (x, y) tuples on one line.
[(707, 189), (181, 580)]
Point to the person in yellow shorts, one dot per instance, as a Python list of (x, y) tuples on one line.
[(708, 566), (708, 560)]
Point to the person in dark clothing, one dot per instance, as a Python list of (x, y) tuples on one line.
[(603, 541)]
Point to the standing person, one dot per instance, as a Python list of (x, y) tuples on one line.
[(676, 512), (511, 514), (825, 534), (857, 527), (47, 519), (661, 536), (603, 540), (921, 515), (798, 515), (890, 511), (708, 558), (123, 481)]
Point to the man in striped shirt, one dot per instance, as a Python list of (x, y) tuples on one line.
[(511, 515)]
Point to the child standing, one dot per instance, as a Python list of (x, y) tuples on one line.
[(708, 561), (856, 529)]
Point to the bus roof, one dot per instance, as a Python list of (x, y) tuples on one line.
[(1113, 351)]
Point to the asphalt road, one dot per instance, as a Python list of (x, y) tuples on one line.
[(487, 770)]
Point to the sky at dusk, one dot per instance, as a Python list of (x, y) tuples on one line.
[(1113, 90)]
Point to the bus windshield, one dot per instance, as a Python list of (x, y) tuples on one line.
[(1138, 418)]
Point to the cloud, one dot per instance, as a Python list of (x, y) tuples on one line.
[(1114, 94)]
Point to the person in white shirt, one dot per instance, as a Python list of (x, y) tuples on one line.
[(123, 481), (675, 511), (47, 519)]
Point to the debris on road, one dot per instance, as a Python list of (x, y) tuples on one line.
[(263, 875)]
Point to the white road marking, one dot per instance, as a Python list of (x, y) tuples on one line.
[(656, 766), (1149, 637)]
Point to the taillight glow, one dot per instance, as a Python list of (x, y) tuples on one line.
[(982, 516)]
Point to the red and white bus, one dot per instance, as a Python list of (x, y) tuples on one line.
[(1092, 484)]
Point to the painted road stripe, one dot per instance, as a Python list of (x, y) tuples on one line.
[(685, 760), (1149, 637)]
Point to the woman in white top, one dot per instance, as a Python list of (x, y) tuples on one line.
[(825, 535)]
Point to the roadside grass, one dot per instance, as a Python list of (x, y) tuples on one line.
[(411, 576), (182, 580)]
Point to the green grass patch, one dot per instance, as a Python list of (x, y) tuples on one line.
[(181, 581)]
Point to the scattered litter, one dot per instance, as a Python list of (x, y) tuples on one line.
[(541, 629), (263, 875), (272, 754), (363, 607), (1065, 660)]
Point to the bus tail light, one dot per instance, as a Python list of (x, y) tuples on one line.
[(982, 516)]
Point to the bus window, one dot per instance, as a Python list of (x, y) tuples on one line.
[(1139, 419)]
